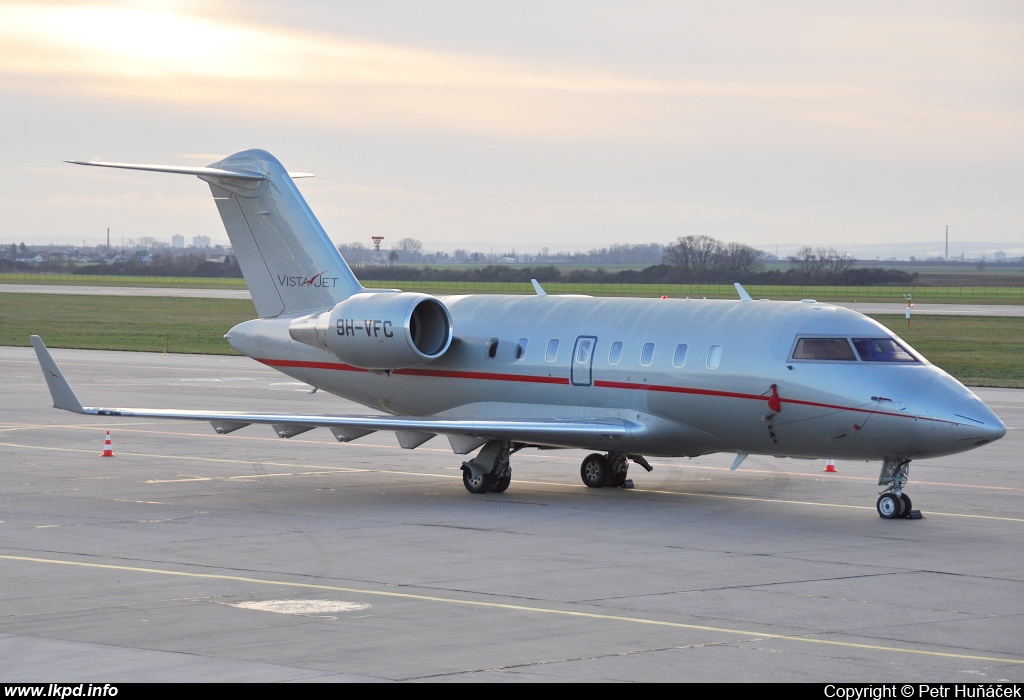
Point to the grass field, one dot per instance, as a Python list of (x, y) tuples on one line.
[(977, 350), (122, 323)]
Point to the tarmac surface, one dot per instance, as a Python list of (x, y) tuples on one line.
[(862, 307), (191, 556)]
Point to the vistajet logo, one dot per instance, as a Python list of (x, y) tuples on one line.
[(317, 280)]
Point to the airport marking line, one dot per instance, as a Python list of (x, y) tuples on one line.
[(343, 470), (122, 427), (514, 608)]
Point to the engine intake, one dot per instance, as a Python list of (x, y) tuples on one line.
[(379, 330)]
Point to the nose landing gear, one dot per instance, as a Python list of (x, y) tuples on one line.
[(893, 503)]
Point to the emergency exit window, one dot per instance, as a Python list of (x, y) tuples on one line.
[(521, 348)]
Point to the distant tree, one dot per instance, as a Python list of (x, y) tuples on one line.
[(393, 256), (13, 252), (145, 243), (410, 245), (23, 247), (805, 261), (835, 263), (697, 256), (355, 252), (980, 265), (737, 259)]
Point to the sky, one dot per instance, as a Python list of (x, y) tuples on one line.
[(526, 125)]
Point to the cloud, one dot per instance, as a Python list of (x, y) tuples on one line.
[(180, 54)]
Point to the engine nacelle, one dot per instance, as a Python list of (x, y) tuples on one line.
[(380, 330)]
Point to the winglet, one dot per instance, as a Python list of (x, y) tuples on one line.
[(63, 397), (742, 292), (537, 288)]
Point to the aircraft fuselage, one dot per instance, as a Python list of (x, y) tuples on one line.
[(619, 357)]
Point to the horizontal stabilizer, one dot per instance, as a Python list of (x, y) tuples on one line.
[(180, 169)]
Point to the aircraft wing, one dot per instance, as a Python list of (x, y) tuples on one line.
[(465, 435)]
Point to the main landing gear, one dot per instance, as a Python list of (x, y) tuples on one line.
[(598, 471), (490, 471), (893, 503)]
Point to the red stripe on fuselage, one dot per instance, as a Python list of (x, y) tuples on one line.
[(490, 376), (413, 372)]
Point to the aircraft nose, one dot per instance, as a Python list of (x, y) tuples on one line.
[(975, 423)]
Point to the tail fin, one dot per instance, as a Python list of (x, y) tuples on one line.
[(289, 263)]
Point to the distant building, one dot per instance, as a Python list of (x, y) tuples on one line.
[(177, 241), (999, 255), (200, 241)]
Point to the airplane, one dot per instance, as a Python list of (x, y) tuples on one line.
[(627, 378)]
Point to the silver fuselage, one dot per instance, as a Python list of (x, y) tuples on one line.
[(837, 409)]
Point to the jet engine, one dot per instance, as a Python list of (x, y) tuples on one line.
[(379, 330)]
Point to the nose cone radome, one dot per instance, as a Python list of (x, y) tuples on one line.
[(974, 423)]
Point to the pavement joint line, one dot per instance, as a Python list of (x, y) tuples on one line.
[(519, 608), (345, 470)]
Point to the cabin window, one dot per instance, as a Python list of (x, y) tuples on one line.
[(882, 350), (679, 357), (551, 353), (647, 354), (583, 351), (492, 347), (521, 348), (823, 349), (615, 353), (714, 356)]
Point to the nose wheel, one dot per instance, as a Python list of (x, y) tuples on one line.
[(893, 503)]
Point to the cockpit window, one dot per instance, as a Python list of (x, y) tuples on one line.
[(882, 350), (823, 349)]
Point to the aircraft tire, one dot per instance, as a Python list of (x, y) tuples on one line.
[(889, 506), (480, 484), (595, 471), (501, 484), (907, 505)]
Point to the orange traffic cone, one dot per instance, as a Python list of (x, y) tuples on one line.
[(107, 449), (830, 467)]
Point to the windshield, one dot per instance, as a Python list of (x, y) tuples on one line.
[(882, 350)]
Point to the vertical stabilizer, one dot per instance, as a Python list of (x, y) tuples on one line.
[(289, 263)]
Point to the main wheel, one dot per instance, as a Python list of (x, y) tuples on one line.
[(481, 483), (501, 484), (907, 505), (889, 506), (595, 471)]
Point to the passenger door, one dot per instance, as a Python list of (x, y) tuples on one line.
[(582, 373)]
